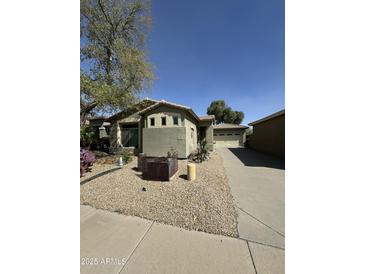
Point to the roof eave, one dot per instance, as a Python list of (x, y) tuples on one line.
[(161, 103), (267, 118)]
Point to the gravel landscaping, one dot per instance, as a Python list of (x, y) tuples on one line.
[(205, 204)]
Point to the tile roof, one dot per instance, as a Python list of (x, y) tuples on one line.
[(90, 118), (150, 104), (133, 109), (207, 117), (163, 102)]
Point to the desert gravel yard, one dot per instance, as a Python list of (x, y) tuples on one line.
[(204, 205)]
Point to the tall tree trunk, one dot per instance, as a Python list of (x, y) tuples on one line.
[(109, 66), (85, 111)]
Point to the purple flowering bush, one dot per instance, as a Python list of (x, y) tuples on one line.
[(87, 158)]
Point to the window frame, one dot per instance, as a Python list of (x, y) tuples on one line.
[(154, 121), (177, 120)]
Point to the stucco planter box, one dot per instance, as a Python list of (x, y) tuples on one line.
[(139, 162), (158, 168)]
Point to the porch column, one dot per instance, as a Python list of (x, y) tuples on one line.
[(115, 136), (209, 137)]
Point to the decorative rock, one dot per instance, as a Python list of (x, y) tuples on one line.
[(206, 205)]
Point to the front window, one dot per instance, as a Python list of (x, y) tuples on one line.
[(163, 121), (152, 122), (175, 120)]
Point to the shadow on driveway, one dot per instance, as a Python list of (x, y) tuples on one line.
[(99, 175), (251, 157)]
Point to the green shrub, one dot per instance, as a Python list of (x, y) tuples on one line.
[(127, 156), (87, 136)]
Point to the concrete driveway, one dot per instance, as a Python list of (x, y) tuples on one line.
[(257, 183)]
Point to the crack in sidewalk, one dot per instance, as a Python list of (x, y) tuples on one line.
[(261, 222), (264, 244), (144, 235), (253, 262)]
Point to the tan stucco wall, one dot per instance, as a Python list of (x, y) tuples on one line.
[(269, 137), (191, 135), (165, 112), (185, 121), (134, 118), (140, 135), (208, 133), (158, 141)]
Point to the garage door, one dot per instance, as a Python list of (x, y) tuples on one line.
[(227, 139)]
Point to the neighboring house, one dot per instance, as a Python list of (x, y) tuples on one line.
[(269, 134), (155, 127), (229, 135)]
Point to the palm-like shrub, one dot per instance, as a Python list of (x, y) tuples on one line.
[(172, 153), (201, 154)]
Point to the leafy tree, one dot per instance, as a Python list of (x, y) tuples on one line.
[(217, 108), (229, 115), (239, 117), (224, 113), (112, 48)]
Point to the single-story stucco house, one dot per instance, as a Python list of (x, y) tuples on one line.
[(269, 134), (155, 127)]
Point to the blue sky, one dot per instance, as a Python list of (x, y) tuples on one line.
[(207, 50)]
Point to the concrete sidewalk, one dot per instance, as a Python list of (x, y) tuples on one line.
[(257, 183), (136, 245)]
